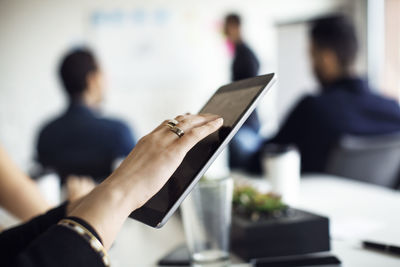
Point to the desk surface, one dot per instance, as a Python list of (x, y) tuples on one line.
[(357, 211)]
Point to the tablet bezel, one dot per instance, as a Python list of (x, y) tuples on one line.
[(145, 214)]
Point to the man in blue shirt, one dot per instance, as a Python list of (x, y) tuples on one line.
[(80, 141), (345, 104)]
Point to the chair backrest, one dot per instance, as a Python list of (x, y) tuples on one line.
[(372, 159)]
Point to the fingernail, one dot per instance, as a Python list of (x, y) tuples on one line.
[(219, 120)]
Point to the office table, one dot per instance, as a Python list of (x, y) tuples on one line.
[(357, 211)]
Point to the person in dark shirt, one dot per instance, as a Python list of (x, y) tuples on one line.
[(79, 233), (80, 141), (345, 104), (244, 65)]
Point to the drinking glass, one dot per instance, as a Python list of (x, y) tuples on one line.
[(206, 216)]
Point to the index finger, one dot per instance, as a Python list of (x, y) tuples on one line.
[(196, 134)]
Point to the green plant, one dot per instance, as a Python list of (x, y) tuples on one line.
[(249, 202)]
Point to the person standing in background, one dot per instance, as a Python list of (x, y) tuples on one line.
[(80, 141), (244, 65)]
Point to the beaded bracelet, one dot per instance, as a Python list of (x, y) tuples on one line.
[(88, 236)]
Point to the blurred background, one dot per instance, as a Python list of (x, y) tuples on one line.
[(162, 59)]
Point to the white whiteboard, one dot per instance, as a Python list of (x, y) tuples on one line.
[(294, 68)]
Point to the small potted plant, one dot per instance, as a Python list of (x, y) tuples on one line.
[(250, 204), (264, 226)]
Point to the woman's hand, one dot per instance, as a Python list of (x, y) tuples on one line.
[(142, 174), (157, 155)]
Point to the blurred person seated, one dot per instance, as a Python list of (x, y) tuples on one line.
[(80, 141), (244, 65), (345, 104)]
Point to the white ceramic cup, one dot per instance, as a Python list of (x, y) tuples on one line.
[(281, 166)]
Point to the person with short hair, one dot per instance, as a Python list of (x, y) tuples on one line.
[(244, 65), (80, 141), (345, 103)]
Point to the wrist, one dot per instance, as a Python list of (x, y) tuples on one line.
[(125, 190), (105, 209)]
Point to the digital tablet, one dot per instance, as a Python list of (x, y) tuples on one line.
[(233, 102)]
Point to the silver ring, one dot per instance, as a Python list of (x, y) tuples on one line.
[(172, 123), (178, 131)]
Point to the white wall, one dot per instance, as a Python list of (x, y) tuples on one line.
[(190, 49), (294, 68)]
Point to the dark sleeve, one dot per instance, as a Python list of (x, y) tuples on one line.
[(41, 147), (246, 65), (17, 239), (290, 132), (125, 141), (58, 246), (292, 129), (41, 242)]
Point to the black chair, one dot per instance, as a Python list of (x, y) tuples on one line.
[(371, 159)]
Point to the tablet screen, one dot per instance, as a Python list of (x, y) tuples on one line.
[(230, 102)]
